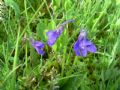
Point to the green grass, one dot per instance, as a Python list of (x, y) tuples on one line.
[(21, 68)]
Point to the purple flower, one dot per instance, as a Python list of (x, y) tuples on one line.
[(53, 35), (83, 45), (38, 46)]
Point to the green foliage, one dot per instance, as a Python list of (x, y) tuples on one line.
[(21, 68), (13, 5), (41, 26)]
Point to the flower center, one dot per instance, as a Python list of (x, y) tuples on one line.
[(82, 46)]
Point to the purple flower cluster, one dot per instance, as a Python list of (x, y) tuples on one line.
[(81, 46)]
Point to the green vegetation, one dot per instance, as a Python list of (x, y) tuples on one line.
[(22, 68)]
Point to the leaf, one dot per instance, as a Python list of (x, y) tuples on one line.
[(41, 26), (117, 2), (14, 6), (72, 84), (68, 4)]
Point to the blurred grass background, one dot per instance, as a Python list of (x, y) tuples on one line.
[(21, 68)]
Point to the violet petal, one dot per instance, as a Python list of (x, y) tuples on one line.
[(38, 46), (76, 48), (91, 48), (52, 37), (83, 52), (39, 51)]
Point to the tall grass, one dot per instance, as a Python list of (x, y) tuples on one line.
[(22, 68)]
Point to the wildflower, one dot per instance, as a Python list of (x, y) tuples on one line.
[(54, 34), (83, 45), (38, 46)]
